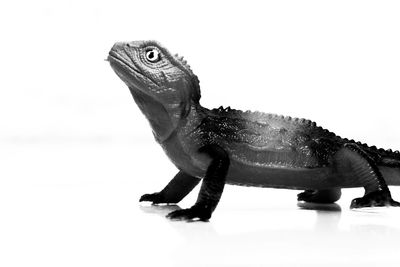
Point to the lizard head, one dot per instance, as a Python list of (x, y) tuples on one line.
[(162, 84)]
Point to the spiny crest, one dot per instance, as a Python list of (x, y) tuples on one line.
[(227, 109), (261, 117), (381, 151), (186, 66)]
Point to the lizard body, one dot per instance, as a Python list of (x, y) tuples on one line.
[(242, 147)]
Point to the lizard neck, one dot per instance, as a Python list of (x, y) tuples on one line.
[(165, 120), (157, 115)]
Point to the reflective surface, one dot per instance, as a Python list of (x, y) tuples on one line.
[(77, 205), (69, 187)]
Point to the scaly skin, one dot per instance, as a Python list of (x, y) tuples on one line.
[(245, 148)]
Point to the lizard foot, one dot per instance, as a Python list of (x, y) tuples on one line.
[(320, 196), (195, 212), (155, 198), (374, 199)]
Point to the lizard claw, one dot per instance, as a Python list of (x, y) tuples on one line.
[(325, 196), (201, 213), (155, 198), (306, 196), (374, 199)]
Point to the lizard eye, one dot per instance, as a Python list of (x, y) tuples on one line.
[(152, 55)]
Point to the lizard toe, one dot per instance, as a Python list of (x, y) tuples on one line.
[(155, 198), (326, 196), (191, 214), (305, 196), (374, 199)]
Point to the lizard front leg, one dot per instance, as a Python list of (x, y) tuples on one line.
[(211, 188), (175, 191), (365, 171)]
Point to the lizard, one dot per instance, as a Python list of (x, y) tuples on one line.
[(227, 146)]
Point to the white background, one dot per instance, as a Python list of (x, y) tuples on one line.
[(76, 153)]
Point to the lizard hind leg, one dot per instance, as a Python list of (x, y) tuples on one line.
[(364, 171), (325, 196)]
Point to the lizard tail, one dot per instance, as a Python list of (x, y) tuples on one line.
[(390, 167), (391, 159)]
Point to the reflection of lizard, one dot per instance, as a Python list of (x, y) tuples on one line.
[(245, 148)]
